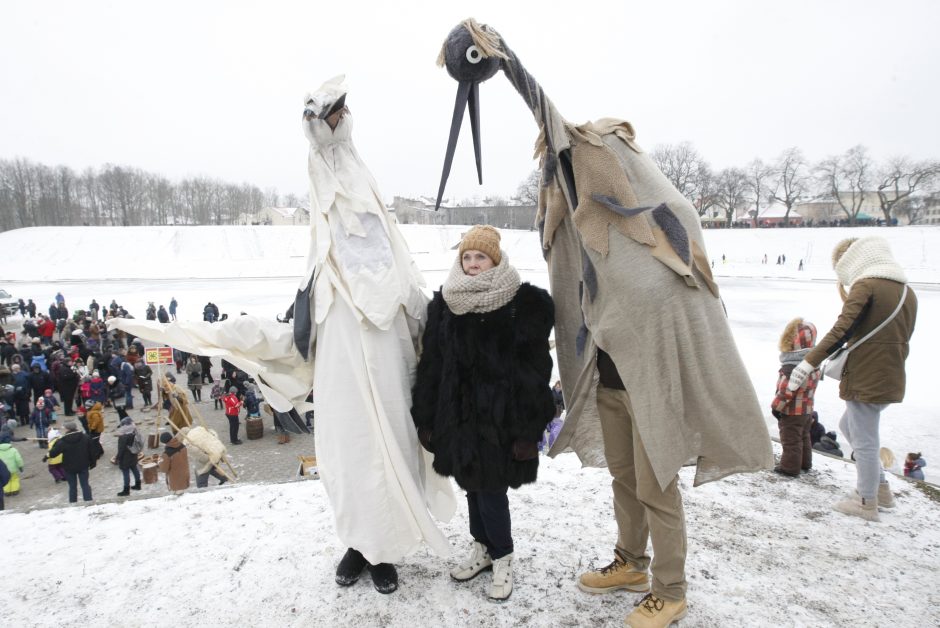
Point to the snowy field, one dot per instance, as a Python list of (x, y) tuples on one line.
[(763, 550)]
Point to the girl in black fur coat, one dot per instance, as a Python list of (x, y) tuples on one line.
[(482, 397)]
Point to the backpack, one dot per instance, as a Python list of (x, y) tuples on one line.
[(137, 445)]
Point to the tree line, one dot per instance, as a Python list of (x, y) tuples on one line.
[(903, 186), (34, 194)]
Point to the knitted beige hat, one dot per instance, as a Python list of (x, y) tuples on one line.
[(482, 238)]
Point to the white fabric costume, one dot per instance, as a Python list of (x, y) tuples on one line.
[(365, 303)]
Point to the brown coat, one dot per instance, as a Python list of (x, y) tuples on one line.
[(175, 466), (874, 372), (95, 418)]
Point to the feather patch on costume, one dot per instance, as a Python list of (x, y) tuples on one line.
[(675, 232), (614, 205), (582, 339), (589, 273)]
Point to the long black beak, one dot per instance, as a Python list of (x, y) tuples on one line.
[(468, 96), (339, 104)]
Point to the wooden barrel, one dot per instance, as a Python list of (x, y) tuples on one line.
[(150, 472), (153, 441), (254, 428)]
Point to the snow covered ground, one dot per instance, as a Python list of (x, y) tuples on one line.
[(763, 550)]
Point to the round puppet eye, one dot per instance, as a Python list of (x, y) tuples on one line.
[(474, 55)]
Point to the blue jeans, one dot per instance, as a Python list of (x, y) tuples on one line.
[(129, 397), (74, 479), (127, 477), (41, 431)]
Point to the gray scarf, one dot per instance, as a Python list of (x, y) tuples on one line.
[(488, 291), (793, 357)]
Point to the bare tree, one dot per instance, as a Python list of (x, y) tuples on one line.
[(791, 180), (731, 188), (759, 178), (847, 178), (528, 191), (682, 165), (899, 179)]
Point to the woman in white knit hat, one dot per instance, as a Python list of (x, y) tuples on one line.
[(874, 290), (482, 397)]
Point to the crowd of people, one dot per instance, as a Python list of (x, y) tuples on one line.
[(61, 371)]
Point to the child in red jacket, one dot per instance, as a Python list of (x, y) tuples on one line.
[(794, 409)]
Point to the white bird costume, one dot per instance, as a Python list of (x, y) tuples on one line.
[(358, 315)]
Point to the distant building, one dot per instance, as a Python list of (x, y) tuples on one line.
[(277, 216), (420, 211), (826, 209)]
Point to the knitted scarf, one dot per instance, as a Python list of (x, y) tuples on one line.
[(868, 257), (793, 357), (488, 291)]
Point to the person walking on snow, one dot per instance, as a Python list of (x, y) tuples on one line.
[(129, 445), (233, 406), (874, 290), (78, 454)]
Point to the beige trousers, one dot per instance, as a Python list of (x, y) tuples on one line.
[(644, 511)]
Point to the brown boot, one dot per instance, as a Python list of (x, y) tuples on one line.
[(614, 577)]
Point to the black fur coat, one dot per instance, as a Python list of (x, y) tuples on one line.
[(482, 391)]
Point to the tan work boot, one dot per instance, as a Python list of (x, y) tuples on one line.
[(858, 507), (885, 496), (614, 577), (655, 612)]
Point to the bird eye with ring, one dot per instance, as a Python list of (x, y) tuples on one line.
[(474, 55)]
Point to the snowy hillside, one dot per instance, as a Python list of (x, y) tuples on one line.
[(245, 252), (763, 551)]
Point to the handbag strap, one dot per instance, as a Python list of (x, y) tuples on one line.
[(883, 323)]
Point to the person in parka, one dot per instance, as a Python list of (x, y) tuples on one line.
[(67, 384), (174, 462), (144, 376), (76, 450), (482, 396), (128, 446), (873, 377)]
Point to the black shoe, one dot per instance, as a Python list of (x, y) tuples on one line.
[(786, 473), (384, 577), (136, 487), (350, 568), (236, 442), (124, 493)]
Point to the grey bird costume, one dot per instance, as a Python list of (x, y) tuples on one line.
[(629, 275)]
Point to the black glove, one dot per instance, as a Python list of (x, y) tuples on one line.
[(525, 450), (424, 435), (45, 458)]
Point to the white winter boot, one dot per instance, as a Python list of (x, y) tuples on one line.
[(479, 560), (885, 496), (858, 507), (501, 587)]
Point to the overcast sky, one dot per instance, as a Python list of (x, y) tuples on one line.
[(216, 88)]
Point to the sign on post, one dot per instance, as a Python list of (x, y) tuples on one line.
[(158, 355)]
